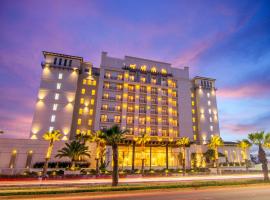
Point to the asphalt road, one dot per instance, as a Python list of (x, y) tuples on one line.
[(254, 192)]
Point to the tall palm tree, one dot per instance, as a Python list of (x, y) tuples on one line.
[(244, 145), (142, 140), (50, 136), (261, 139), (74, 151), (215, 142), (183, 143), (112, 137), (97, 137)]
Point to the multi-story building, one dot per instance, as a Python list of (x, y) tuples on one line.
[(141, 95)]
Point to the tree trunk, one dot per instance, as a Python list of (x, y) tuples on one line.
[(73, 165), (115, 165), (263, 160), (142, 166), (133, 156), (184, 161), (45, 167), (167, 157), (97, 166)]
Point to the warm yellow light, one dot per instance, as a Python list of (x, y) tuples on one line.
[(79, 122), (148, 88), (163, 71), (65, 138), (132, 66), (33, 137), (154, 70), (126, 75), (125, 85), (137, 87), (83, 91), (143, 67)]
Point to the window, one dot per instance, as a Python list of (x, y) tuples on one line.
[(84, 81), (132, 66), (51, 128), (60, 61), (80, 111), (53, 118), (211, 128), (210, 119), (210, 111), (56, 96), (143, 79), (29, 159), (153, 70), (104, 107), (65, 62), (103, 118), (143, 68), (92, 102), (118, 97), (117, 119), (79, 122), (90, 122), (55, 61), (70, 62), (194, 128), (91, 112), (193, 111), (209, 103), (58, 86), (93, 92), (129, 120), (13, 159), (163, 71), (193, 103), (83, 91), (55, 106), (60, 76), (82, 101), (208, 94), (193, 119)]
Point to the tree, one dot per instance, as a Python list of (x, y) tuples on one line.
[(74, 151), (183, 143), (244, 145), (50, 136), (112, 137), (215, 142), (142, 140), (261, 139)]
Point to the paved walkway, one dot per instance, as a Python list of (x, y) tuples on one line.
[(129, 180)]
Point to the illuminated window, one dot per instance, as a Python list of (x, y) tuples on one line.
[(103, 118), (153, 80), (51, 128), (83, 91), (117, 119), (119, 77), (192, 95), (132, 66), (208, 94), (105, 96), (93, 92), (79, 122), (118, 97), (107, 75), (90, 122), (143, 67), (92, 102), (13, 159), (60, 76), (209, 111), (55, 106), (154, 70), (131, 78), (210, 119), (117, 108), (193, 103), (129, 120), (88, 132), (194, 128), (82, 101), (193, 119), (91, 112), (143, 79), (211, 128), (163, 71), (78, 131), (56, 96), (94, 82), (58, 86), (209, 103), (84, 81), (53, 118), (80, 111), (104, 107), (29, 159)]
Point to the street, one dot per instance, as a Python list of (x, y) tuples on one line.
[(254, 192)]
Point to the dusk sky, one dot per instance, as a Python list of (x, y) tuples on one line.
[(225, 40)]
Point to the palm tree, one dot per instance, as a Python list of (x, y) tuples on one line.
[(142, 140), (97, 138), (74, 150), (262, 140), (112, 137), (50, 136), (244, 145), (215, 142), (183, 143)]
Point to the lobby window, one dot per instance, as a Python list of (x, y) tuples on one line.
[(81, 100), (70, 63), (103, 118), (58, 86), (83, 91), (117, 119), (53, 118), (13, 159), (60, 61), (29, 159), (65, 62), (55, 106), (51, 128), (93, 92), (56, 96), (55, 61), (79, 122)]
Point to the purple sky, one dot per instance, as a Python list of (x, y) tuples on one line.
[(226, 40)]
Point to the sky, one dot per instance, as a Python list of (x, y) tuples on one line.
[(225, 40)]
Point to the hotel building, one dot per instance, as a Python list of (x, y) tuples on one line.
[(141, 95)]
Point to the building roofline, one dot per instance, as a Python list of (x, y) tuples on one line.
[(62, 55), (204, 78), (148, 60)]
